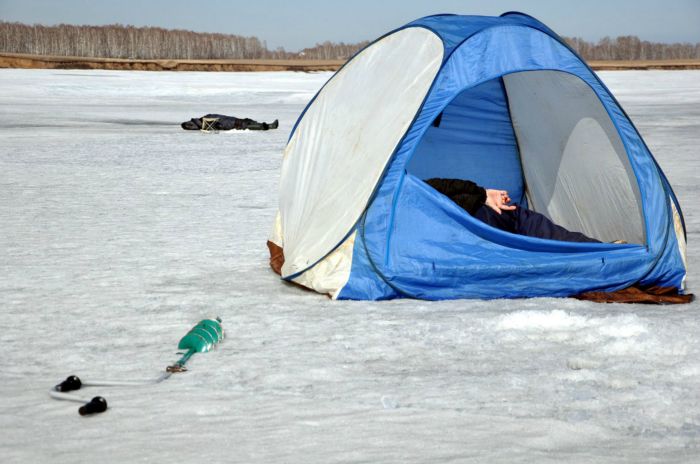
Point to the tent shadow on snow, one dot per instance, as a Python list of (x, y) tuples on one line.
[(518, 110)]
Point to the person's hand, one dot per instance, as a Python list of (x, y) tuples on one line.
[(498, 200)]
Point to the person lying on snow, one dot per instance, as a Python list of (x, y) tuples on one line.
[(492, 207), (223, 122)]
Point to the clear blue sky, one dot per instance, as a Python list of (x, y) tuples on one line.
[(295, 24)]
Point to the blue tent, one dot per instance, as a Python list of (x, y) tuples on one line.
[(501, 101)]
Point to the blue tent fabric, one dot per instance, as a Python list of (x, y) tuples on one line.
[(414, 242), (474, 140)]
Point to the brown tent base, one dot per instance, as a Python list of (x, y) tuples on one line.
[(276, 257), (638, 294)]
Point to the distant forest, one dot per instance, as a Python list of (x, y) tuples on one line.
[(129, 42)]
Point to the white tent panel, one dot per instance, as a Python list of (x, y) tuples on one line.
[(331, 273), (342, 144), (680, 237), (576, 168)]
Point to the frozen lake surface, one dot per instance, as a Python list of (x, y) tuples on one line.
[(119, 231)]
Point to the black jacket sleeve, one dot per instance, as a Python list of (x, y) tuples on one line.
[(465, 193)]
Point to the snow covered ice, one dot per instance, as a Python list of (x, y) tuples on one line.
[(119, 231)]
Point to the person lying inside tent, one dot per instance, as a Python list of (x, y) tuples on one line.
[(492, 207), (217, 122)]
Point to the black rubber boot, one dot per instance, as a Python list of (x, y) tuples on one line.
[(255, 125)]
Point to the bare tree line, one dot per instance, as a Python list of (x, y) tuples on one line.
[(332, 51), (118, 41), (630, 47)]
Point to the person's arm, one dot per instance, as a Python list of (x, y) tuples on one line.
[(470, 196)]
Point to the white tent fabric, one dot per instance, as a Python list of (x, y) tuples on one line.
[(576, 169), (345, 140), (332, 272), (680, 236)]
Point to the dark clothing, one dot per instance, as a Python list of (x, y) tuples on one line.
[(465, 193), (524, 221), (224, 122), (521, 221)]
